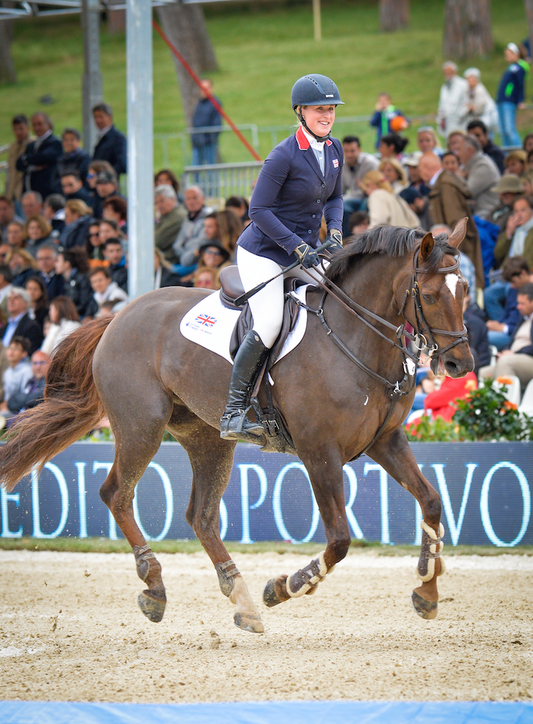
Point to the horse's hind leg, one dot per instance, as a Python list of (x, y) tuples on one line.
[(211, 461), (395, 455), (136, 445)]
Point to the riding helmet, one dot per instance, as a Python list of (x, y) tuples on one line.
[(315, 90)]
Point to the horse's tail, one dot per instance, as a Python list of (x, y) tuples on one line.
[(71, 407)]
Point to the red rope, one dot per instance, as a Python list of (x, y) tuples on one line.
[(198, 82)]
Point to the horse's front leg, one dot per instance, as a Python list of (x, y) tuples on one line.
[(327, 481), (395, 455)]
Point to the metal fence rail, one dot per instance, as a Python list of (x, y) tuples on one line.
[(222, 180)]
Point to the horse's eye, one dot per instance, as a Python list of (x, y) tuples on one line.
[(428, 298)]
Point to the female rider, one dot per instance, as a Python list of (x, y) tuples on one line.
[(299, 182)]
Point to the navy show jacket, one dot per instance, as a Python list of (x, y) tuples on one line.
[(112, 147), (290, 197)]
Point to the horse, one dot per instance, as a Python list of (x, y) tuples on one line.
[(345, 389)]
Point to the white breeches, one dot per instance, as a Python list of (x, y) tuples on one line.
[(267, 305)]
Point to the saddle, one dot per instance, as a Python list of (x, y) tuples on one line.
[(277, 436)]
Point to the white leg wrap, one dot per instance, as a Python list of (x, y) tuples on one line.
[(306, 578), (432, 546)]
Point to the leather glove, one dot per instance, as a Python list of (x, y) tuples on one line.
[(306, 255), (334, 241)]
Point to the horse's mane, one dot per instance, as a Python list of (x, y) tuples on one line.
[(394, 241)]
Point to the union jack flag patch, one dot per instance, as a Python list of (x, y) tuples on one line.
[(206, 320), (335, 163)]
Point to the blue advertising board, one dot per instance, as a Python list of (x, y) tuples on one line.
[(485, 490)]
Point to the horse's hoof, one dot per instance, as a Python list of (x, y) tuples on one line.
[(153, 608), (248, 622), (425, 609), (272, 595)]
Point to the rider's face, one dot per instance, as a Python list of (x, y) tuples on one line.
[(319, 119)]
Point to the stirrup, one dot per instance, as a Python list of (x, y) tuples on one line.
[(236, 425)]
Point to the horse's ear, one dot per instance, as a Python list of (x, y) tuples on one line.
[(458, 233), (426, 246)]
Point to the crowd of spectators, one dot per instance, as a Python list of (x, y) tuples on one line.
[(64, 221)]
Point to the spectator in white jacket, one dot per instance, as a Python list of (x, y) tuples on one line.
[(479, 103), (451, 115), (64, 319)]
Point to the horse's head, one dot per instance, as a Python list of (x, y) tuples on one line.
[(438, 292)]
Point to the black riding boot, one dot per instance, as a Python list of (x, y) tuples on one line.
[(246, 367)]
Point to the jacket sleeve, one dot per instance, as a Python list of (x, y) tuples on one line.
[(46, 156), (121, 154), (376, 120), (272, 177), (333, 208)]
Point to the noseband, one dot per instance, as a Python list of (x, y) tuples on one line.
[(423, 332)]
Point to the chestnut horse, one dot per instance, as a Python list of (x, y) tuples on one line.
[(346, 388)]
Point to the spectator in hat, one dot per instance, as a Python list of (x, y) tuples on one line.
[(451, 112), (415, 181), (39, 160), (418, 203), (479, 104), (19, 323), (73, 158), (171, 217), (213, 256), (508, 188), (111, 145), (511, 94), (481, 174), (387, 118), (478, 129)]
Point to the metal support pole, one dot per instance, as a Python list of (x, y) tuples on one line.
[(140, 147), (92, 78), (317, 20)]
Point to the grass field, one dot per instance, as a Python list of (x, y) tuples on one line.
[(261, 51), (104, 545)]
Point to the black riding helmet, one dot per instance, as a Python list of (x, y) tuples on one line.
[(314, 90)]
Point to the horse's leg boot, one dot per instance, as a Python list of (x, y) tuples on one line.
[(246, 366)]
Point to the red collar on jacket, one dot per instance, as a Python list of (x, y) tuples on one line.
[(303, 141)]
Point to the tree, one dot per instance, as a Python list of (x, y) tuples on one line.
[(467, 28), (7, 67), (393, 15), (185, 27)]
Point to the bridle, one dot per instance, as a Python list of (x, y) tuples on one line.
[(422, 338)]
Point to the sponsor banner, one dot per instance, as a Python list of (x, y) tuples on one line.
[(485, 490)]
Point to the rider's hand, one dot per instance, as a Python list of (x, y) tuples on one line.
[(306, 255), (334, 241)]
